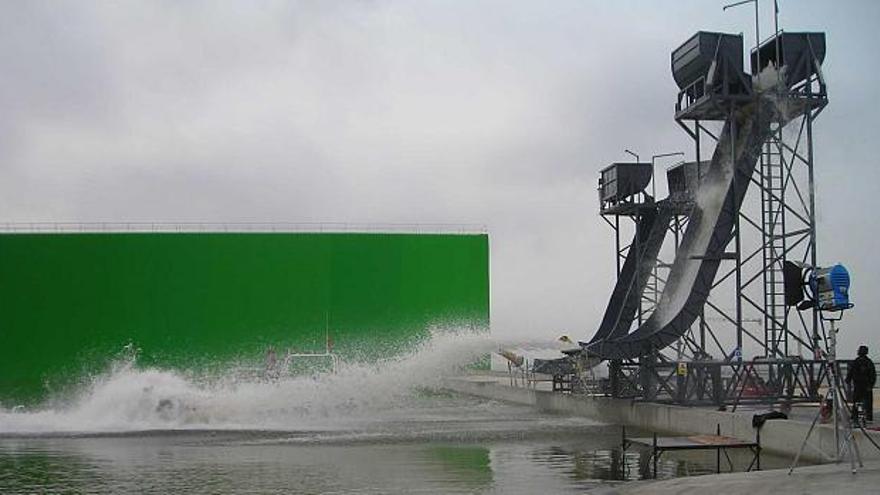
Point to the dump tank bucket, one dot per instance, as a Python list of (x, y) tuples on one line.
[(800, 53), (618, 181), (683, 180), (692, 59)]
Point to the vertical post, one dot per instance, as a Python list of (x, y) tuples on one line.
[(655, 295), (717, 384), (638, 237), (614, 377), (718, 450), (757, 37), (697, 142), (835, 401), (681, 380), (617, 243), (697, 138), (765, 226), (812, 194), (758, 449), (654, 457), (737, 240), (738, 267), (776, 28), (647, 373), (653, 180)]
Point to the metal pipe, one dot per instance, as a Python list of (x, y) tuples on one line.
[(738, 268), (617, 242), (697, 139), (835, 404), (811, 179), (757, 38), (757, 28)]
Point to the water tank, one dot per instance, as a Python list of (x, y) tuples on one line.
[(684, 179), (800, 53), (619, 181), (694, 57)]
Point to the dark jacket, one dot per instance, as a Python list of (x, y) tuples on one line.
[(861, 373)]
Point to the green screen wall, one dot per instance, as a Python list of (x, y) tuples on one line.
[(70, 302)]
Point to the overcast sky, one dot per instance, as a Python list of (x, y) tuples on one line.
[(490, 112)]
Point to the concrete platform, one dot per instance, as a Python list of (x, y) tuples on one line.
[(782, 437), (778, 436), (826, 479)]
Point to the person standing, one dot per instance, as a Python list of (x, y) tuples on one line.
[(862, 376)]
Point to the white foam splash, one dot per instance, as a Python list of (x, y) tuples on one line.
[(769, 79), (129, 398)]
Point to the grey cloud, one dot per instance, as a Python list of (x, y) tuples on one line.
[(491, 112)]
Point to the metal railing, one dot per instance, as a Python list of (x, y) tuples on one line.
[(239, 227)]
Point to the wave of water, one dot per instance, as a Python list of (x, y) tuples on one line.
[(131, 398)]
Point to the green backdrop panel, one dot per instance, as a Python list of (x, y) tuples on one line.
[(69, 302)]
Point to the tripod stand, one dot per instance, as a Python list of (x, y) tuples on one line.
[(841, 417)]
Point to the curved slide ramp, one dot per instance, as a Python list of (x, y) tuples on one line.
[(623, 306), (710, 229)]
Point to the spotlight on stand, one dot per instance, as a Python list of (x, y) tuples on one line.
[(826, 288)]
